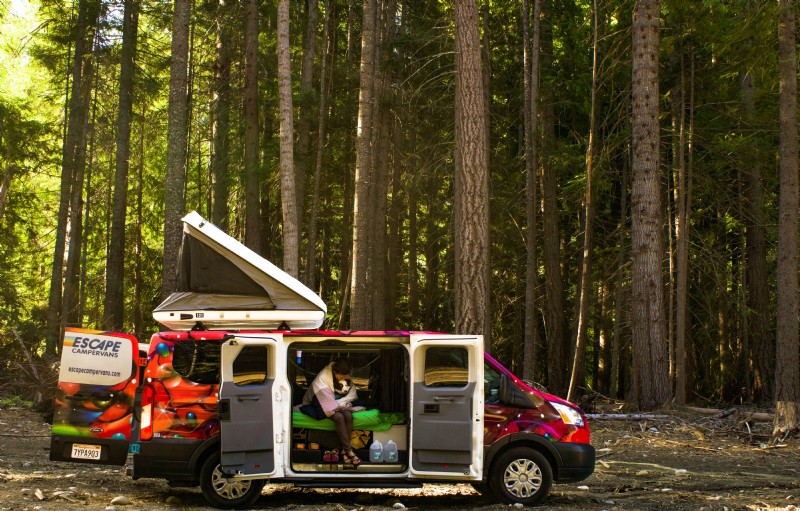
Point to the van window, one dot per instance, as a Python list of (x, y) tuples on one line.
[(446, 367), (491, 385), (250, 366), (197, 361)]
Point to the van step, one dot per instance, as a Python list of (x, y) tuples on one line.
[(356, 483)]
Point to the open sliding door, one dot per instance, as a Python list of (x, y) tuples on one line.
[(250, 405), (446, 406)]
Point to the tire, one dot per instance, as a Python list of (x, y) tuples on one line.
[(227, 493), (521, 475)]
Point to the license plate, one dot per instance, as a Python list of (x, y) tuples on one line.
[(86, 452)]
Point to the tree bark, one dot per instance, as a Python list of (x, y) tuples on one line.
[(471, 194), (649, 348), (787, 361), (252, 231), (174, 200), (555, 322), (619, 320), (113, 306), (85, 24), (578, 370), (322, 115), (138, 277), (682, 252), (531, 86), (220, 154), (70, 304), (303, 151), (8, 173), (380, 181), (291, 238), (360, 308)]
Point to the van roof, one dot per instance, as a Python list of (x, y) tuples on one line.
[(222, 284)]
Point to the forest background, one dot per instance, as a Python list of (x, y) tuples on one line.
[(329, 136)]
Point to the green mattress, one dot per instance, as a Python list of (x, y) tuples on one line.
[(371, 420)]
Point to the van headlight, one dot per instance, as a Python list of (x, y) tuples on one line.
[(568, 414)]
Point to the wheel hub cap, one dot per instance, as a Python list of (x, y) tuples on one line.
[(522, 478), (228, 488)]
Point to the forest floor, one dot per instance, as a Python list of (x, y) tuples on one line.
[(675, 462)]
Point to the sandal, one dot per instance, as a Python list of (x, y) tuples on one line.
[(335, 456), (351, 459), (326, 457)]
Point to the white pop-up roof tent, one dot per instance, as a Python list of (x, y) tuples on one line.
[(224, 285)]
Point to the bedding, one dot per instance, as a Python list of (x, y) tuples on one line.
[(370, 420)]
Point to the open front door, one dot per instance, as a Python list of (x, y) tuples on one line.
[(251, 397), (446, 406)]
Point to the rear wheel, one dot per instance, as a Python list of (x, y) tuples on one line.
[(226, 492), (521, 475)]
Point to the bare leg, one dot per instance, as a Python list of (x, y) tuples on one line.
[(344, 427)]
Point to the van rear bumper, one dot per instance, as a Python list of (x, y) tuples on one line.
[(577, 461)]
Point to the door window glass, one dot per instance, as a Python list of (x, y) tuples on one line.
[(250, 366), (197, 361), (446, 367), (491, 385)]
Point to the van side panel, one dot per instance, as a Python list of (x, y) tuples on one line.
[(182, 393), (94, 405)]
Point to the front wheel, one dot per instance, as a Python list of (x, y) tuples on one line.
[(522, 475), (226, 492)]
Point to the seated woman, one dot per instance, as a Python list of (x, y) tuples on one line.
[(331, 394)]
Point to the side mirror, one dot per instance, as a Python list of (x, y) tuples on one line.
[(512, 395)]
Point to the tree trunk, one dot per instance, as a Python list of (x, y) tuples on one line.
[(787, 361), (761, 347), (578, 370), (174, 200), (8, 173), (531, 85), (471, 194), (303, 151), (380, 180), (113, 306), (84, 29), (311, 255), (682, 253), (221, 125), (616, 341), (291, 238), (252, 230), (360, 307), (649, 348), (138, 278), (70, 310)]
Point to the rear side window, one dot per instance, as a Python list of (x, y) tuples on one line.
[(446, 367), (197, 361), (250, 366)]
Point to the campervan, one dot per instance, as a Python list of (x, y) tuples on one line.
[(215, 401)]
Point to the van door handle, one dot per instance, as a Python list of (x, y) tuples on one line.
[(249, 397), (448, 399)]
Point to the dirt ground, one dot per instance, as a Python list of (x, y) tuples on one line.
[(676, 463)]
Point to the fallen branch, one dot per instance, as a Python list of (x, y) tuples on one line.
[(721, 414), (625, 416), (27, 355)]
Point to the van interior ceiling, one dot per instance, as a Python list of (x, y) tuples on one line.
[(380, 374)]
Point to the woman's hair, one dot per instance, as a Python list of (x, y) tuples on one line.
[(341, 366)]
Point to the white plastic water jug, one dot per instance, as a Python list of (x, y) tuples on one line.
[(390, 452), (376, 452)]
